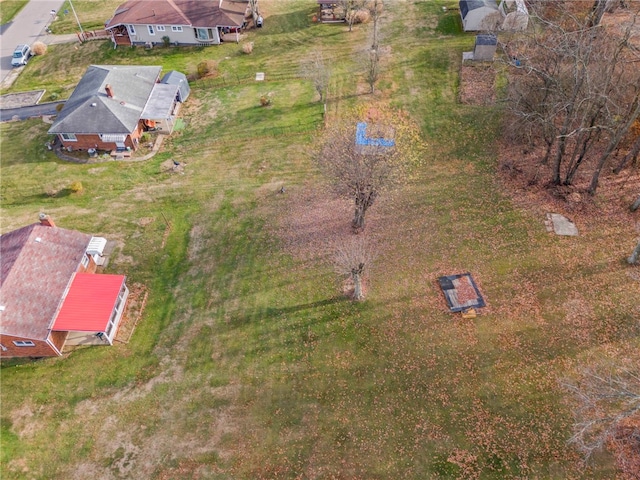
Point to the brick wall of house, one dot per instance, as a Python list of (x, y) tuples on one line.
[(10, 349), (85, 142), (90, 268), (58, 339)]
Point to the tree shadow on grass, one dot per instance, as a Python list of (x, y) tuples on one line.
[(275, 312)]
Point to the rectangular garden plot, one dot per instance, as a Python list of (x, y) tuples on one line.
[(461, 292)]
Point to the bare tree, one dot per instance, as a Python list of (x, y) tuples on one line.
[(371, 64), (577, 87), (600, 7), (350, 9), (315, 69), (604, 398), (376, 9), (353, 258), (630, 157), (359, 172)]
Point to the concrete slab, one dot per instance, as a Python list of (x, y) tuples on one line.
[(560, 225)]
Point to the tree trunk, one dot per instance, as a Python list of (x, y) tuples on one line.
[(358, 218), (356, 277), (635, 205), (614, 142), (597, 12), (633, 259), (581, 151), (629, 157)]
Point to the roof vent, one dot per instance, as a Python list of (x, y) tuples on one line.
[(2, 307), (96, 246), (94, 104), (38, 239)]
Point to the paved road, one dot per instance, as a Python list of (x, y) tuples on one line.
[(22, 113), (26, 27)]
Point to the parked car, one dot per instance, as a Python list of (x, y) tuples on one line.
[(21, 55)]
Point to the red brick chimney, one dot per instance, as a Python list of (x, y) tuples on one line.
[(109, 90), (46, 220)]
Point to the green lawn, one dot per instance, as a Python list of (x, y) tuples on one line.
[(9, 9), (248, 362)]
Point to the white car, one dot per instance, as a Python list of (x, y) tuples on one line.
[(20, 55)]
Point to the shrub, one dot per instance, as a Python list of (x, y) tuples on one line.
[(53, 96), (166, 41), (59, 107), (361, 16), (247, 47), (39, 48), (76, 187), (207, 68), (265, 101)]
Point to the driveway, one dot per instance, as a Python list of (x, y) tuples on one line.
[(27, 27), (22, 113)]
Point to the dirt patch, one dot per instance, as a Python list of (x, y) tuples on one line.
[(136, 303), (477, 84), (172, 166)]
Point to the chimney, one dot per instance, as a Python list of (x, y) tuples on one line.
[(46, 220), (109, 90)]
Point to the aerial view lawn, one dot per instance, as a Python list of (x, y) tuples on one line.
[(248, 360)]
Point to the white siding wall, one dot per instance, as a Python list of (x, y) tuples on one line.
[(187, 36)]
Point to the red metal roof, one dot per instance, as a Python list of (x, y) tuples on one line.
[(89, 303)]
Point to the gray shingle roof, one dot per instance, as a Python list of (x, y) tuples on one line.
[(89, 109), (467, 5)]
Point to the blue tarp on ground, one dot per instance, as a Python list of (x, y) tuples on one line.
[(362, 139)]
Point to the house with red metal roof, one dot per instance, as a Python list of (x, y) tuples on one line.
[(50, 295)]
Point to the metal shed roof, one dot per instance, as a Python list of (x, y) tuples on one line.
[(89, 303), (160, 103), (175, 77)]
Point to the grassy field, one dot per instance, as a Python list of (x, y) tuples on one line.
[(248, 361), (9, 9)]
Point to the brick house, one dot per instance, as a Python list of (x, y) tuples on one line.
[(50, 295), (113, 105)]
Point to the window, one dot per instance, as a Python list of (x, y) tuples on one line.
[(3, 348), (160, 28), (175, 28), (85, 261), (24, 343), (202, 34), (132, 30), (151, 30), (69, 137)]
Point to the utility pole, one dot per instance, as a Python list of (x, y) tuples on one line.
[(76, 15)]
